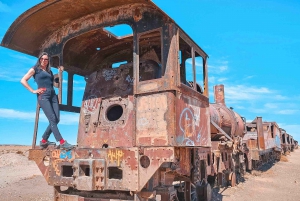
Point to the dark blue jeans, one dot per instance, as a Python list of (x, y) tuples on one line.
[(49, 103)]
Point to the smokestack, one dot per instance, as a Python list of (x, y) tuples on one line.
[(260, 133), (219, 94)]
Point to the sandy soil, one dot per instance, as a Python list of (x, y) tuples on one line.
[(276, 182), (20, 179)]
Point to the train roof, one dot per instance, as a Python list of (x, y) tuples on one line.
[(30, 30)]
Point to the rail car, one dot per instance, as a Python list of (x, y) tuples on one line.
[(286, 142), (263, 141), (146, 128)]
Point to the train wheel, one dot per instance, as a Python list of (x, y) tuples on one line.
[(221, 179), (197, 193), (201, 193)]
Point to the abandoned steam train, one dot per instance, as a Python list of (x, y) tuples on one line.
[(146, 129)]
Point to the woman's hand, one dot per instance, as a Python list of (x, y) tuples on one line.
[(39, 91), (60, 68)]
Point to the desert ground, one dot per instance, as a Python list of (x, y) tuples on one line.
[(20, 179)]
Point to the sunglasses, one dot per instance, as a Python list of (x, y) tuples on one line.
[(42, 59)]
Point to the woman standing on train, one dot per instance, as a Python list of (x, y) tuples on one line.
[(47, 99)]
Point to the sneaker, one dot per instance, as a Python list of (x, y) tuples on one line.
[(66, 146), (44, 145)]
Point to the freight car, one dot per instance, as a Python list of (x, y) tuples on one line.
[(144, 126)]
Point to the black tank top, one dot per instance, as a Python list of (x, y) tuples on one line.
[(43, 78)]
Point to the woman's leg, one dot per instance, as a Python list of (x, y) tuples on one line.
[(55, 106), (50, 113)]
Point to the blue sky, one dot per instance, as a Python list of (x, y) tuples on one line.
[(253, 49)]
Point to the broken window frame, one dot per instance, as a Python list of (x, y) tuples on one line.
[(163, 68), (194, 50)]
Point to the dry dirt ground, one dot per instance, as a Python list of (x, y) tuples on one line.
[(20, 179)]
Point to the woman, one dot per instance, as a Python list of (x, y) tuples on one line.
[(47, 99)]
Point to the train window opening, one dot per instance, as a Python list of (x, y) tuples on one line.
[(120, 30), (118, 64), (189, 74), (191, 66), (199, 72), (179, 57), (84, 170), (67, 171), (186, 68), (283, 139), (115, 173), (150, 56), (100, 49), (78, 87), (105, 61)]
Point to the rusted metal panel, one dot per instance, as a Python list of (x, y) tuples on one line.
[(28, 31), (190, 130), (252, 144), (260, 134), (156, 156), (42, 159), (95, 169), (105, 120), (183, 156), (155, 122)]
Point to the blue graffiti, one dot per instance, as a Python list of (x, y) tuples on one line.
[(198, 137), (65, 154)]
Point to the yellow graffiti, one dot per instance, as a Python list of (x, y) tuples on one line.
[(55, 166), (55, 153), (115, 155)]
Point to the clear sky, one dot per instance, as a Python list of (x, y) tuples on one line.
[(253, 48)]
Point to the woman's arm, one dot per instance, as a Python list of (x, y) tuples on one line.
[(25, 79)]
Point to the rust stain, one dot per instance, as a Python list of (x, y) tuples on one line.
[(137, 15)]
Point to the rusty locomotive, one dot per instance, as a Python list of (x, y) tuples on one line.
[(146, 128)]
